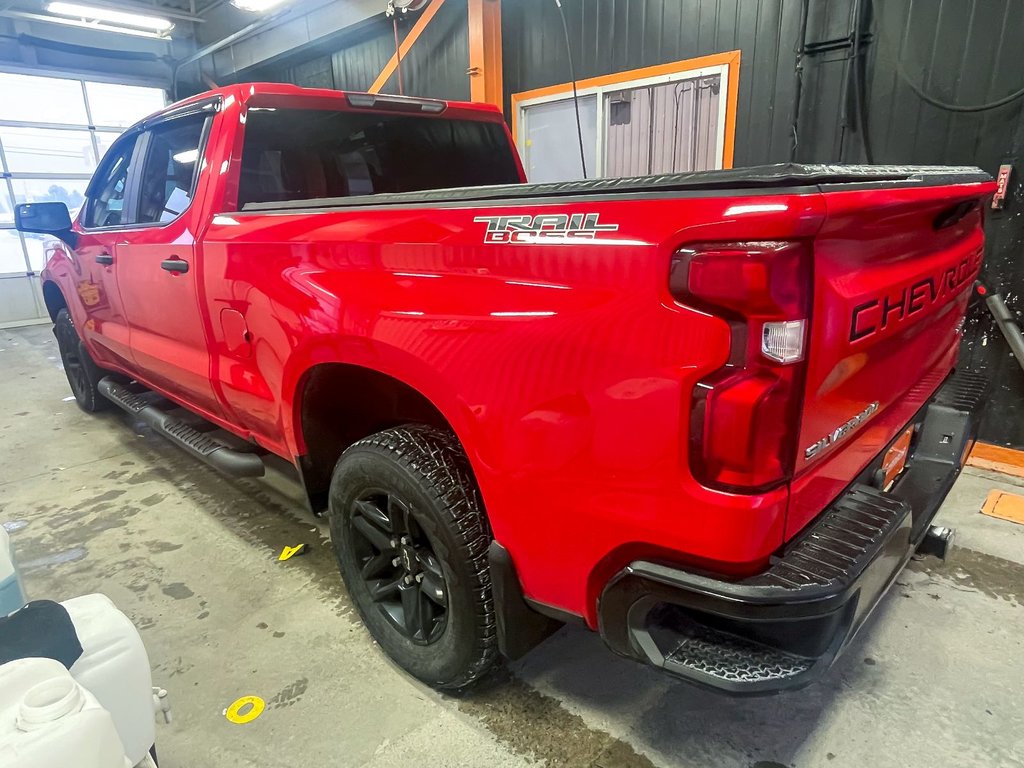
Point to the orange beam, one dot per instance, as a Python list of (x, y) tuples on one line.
[(410, 39), (732, 98), (485, 52)]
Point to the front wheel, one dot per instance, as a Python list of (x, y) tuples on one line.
[(411, 540), (83, 374)]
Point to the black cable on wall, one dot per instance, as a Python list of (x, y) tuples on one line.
[(575, 95), (858, 63)]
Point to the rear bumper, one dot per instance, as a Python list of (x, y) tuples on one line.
[(783, 628)]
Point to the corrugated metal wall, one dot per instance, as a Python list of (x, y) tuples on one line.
[(436, 66), (960, 51), (616, 35)]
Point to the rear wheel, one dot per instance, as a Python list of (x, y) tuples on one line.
[(83, 374), (411, 540)]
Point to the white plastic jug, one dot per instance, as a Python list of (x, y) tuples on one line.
[(47, 720), (114, 667), (12, 593)]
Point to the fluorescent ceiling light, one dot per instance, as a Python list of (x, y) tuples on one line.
[(256, 6), (93, 25), (94, 13)]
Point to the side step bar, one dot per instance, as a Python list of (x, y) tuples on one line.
[(202, 446)]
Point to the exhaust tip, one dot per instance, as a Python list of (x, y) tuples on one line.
[(937, 541)]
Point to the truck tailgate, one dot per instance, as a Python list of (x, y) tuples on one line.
[(893, 271)]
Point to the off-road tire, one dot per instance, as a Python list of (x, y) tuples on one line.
[(82, 372), (426, 468)]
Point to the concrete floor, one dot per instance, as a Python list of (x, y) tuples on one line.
[(97, 504)]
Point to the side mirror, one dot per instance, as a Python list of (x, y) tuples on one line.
[(45, 218)]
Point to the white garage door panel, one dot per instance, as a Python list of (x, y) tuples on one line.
[(53, 130), (20, 300)]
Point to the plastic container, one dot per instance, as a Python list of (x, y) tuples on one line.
[(47, 720), (12, 593), (114, 667)]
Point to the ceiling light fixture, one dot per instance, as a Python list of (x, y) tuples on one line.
[(257, 6), (98, 14), (95, 26)]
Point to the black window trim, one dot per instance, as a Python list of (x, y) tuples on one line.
[(90, 189), (143, 131)]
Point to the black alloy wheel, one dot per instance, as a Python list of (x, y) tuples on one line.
[(397, 562), (410, 534), (70, 357), (82, 372)]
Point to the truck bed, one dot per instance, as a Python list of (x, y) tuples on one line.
[(791, 177)]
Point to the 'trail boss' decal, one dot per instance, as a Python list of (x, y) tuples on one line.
[(876, 315), (547, 226)]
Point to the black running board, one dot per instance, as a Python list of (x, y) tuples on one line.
[(202, 446)]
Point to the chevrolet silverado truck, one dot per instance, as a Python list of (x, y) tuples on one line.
[(708, 415)]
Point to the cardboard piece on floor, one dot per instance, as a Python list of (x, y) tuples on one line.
[(1005, 506)]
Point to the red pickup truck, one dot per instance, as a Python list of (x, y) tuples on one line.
[(709, 415)]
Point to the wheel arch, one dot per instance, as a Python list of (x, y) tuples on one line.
[(53, 298), (337, 403)]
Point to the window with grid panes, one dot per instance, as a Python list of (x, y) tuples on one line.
[(53, 132)]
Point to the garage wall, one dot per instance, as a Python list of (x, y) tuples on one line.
[(612, 36), (435, 67)]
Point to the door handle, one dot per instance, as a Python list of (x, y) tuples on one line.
[(174, 265), (104, 258)]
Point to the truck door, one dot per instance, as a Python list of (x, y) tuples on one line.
[(101, 226), (157, 263)]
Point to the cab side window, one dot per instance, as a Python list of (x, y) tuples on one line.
[(169, 173), (106, 206)]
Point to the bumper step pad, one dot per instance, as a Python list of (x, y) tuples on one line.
[(714, 656), (841, 543)]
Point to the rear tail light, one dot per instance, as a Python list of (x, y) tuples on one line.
[(745, 416), (783, 340)]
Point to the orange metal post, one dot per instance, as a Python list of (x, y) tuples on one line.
[(417, 29), (485, 83)]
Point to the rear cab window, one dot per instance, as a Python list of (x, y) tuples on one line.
[(309, 154)]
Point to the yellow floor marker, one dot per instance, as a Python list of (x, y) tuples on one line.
[(253, 706), (1005, 506), (290, 552)]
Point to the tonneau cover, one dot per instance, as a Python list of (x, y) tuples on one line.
[(780, 176)]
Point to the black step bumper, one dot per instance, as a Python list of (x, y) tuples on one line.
[(783, 628)]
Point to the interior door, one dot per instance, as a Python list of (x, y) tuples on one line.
[(101, 226), (157, 264)]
